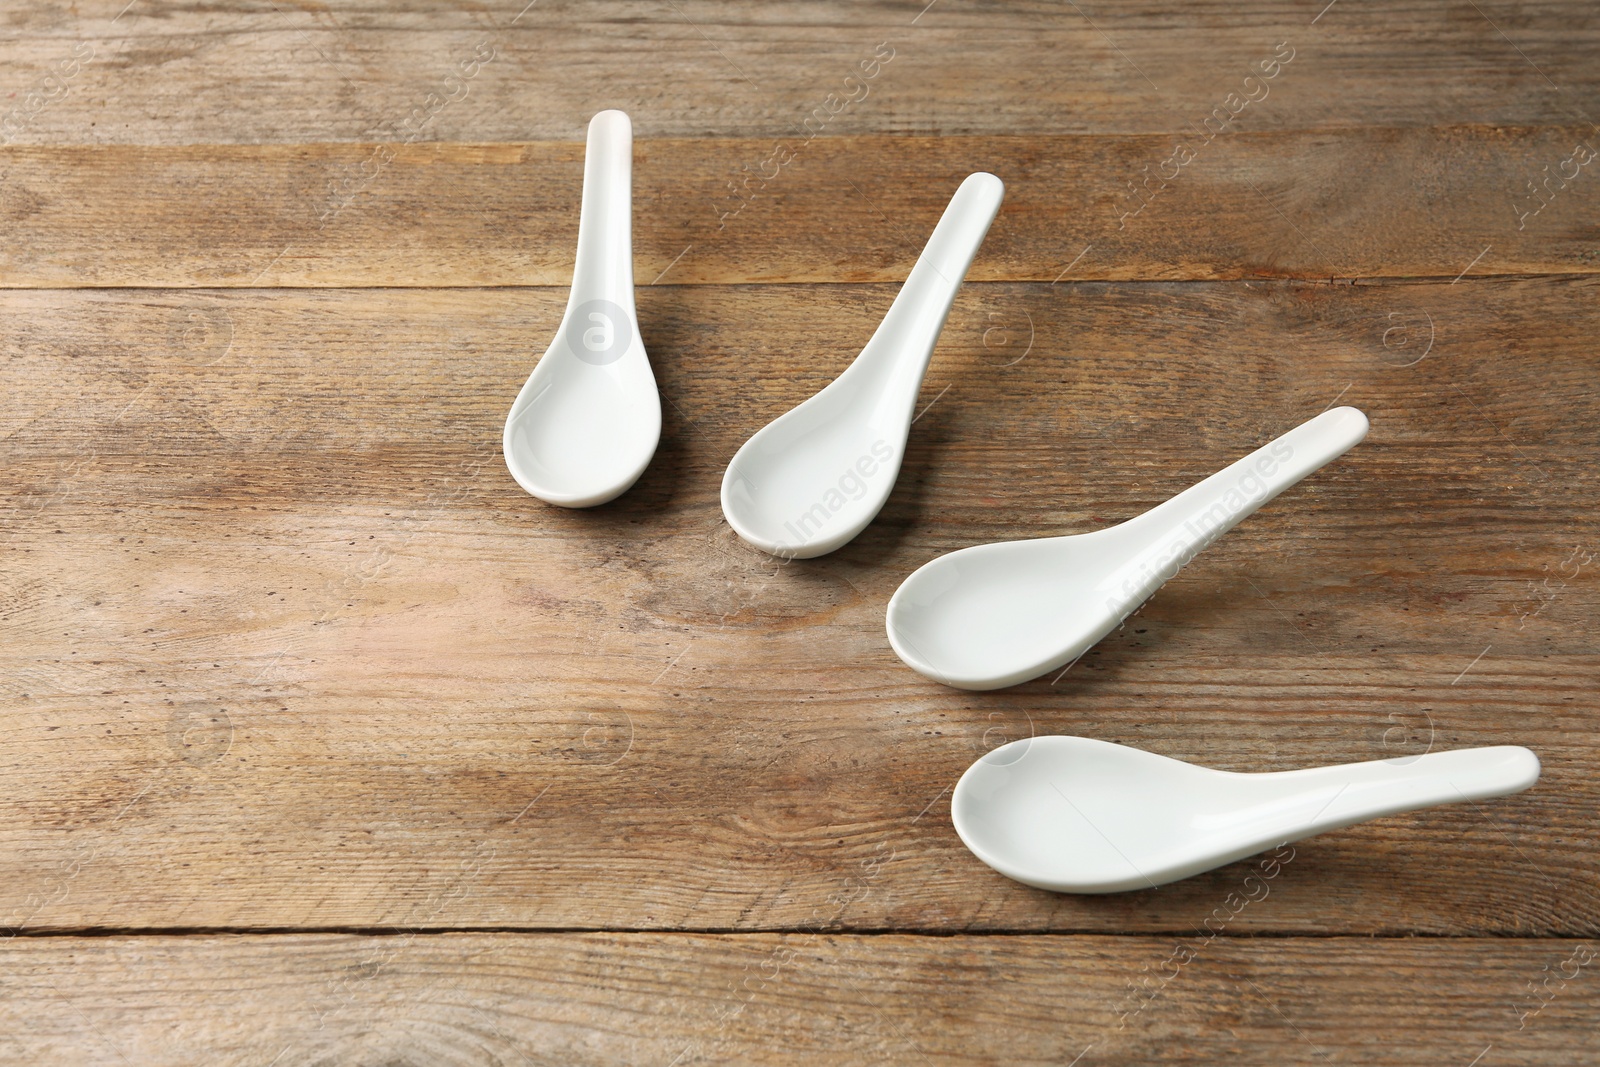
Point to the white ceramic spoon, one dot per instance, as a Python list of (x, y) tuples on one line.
[(585, 425), (813, 478), (1076, 815), (995, 615)]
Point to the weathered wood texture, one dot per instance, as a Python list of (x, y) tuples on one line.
[(153, 72), (681, 999), (1433, 202), (348, 751), (285, 646)]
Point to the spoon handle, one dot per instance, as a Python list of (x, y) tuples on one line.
[(1178, 529), (909, 331), (604, 267), (1328, 798)]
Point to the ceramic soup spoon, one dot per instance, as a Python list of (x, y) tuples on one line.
[(813, 478), (995, 615), (1076, 815), (585, 425)]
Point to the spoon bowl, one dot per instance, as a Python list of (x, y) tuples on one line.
[(998, 614), (1075, 815), (823, 472), (815, 477), (587, 422)]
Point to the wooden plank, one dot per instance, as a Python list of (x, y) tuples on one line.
[(345, 750), (1436, 202), (284, 646), (187, 72), (479, 998)]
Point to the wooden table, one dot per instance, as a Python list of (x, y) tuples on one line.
[(324, 743)]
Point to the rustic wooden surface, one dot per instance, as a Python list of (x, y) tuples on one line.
[(324, 743), (472, 998), (1267, 205)]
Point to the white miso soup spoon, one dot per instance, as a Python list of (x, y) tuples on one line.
[(588, 420), (813, 478), (994, 615), (1075, 815)]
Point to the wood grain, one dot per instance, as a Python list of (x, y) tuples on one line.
[(1362, 203), (321, 742), (190, 72), (286, 647), (682, 999)]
